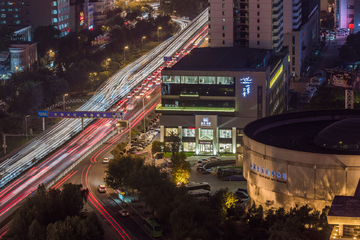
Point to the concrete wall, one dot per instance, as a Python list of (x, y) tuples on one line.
[(220, 11), (311, 178)]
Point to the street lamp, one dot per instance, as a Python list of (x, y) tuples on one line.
[(142, 40), (26, 131), (144, 109), (126, 47), (159, 28), (106, 66), (65, 95)]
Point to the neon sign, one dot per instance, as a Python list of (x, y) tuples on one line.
[(246, 88), (205, 122)]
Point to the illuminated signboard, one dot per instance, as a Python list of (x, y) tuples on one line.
[(205, 122), (61, 114), (246, 88)]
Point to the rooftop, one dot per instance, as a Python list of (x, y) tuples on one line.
[(223, 59)]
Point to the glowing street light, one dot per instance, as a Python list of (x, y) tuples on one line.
[(126, 47), (65, 95), (159, 28), (142, 40), (107, 65)]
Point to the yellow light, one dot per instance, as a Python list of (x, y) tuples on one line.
[(288, 58), (109, 59), (160, 28), (276, 76), (126, 47)]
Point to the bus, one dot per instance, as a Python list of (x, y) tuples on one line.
[(197, 186), (201, 195), (153, 227), (234, 173)]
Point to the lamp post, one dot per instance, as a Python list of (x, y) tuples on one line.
[(126, 47), (65, 95), (142, 40), (144, 109), (26, 131), (159, 28), (107, 64)]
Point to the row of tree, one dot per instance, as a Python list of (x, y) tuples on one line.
[(55, 214), (220, 217), (183, 8)]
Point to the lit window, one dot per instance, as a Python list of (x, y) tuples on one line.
[(3, 15), (54, 3), (255, 167), (258, 168), (272, 173), (263, 170), (251, 166), (278, 175), (9, 9), (223, 20), (268, 172), (54, 11), (55, 20), (284, 176)]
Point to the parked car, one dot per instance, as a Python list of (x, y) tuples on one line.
[(124, 213), (202, 170), (214, 158), (243, 190), (205, 160), (101, 188), (199, 163), (106, 160)]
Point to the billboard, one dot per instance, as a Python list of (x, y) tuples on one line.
[(344, 79), (60, 114)]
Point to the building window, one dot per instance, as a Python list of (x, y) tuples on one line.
[(206, 80), (168, 131), (251, 166), (223, 28), (225, 147), (54, 11), (189, 146), (293, 69), (350, 6), (272, 173), (170, 79), (223, 5), (350, 15), (293, 50), (189, 80), (258, 6), (10, 10), (225, 80), (2, 10), (268, 172), (206, 134), (284, 176), (3, 15), (293, 39), (293, 61), (223, 13), (258, 35), (258, 13), (223, 20), (278, 175), (188, 132), (55, 20), (223, 42), (27, 4), (225, 133), (54, 3), (258, 28), (223, 34), (258, 169), (263, 170), (258, 21), (258, 42)]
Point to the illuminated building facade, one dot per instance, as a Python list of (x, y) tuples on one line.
[(208, 101), (303, 158), (82, 15)]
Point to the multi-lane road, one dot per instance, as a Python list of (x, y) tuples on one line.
[(115, 89)]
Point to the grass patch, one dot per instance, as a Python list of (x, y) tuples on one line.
[(228, 154), (169, 154)]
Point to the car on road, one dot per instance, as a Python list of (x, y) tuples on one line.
[(101, 188), (124, 213), (106, 160)]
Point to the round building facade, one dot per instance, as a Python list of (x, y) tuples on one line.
[(302, 157)]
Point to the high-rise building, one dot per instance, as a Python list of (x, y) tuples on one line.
[(246, 23), (101, 7), (36, 13), (81, 15), (348, 14)]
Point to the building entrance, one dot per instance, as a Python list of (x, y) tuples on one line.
[(206, 149)]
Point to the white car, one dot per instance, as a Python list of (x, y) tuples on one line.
[(101, 188), (213, 158), (124, 213), (106, 160)]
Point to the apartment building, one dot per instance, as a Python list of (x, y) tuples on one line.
[(81, 15), (36, 13), (101, 7), (347, 14)]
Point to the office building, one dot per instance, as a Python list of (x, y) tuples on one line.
[(267, 24), (246, 23), (347, 14), (23, 56), (81, 15), (208, 102), (302, 157), (36, 13), (101, 8)]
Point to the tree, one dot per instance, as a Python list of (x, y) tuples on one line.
[(157, 146), (223, 200), (47, 38), (291, 229), (174, 142), (36, 231), (91, 228), (118, 149), (6, 35), (347, 54), (29, 98), (181, 168)]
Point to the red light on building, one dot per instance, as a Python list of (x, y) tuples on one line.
[(192, 128), (351, 25)]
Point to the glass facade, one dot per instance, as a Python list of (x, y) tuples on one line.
[(168, 131), (225, 133), (189, 80), (213, 80), (188, 132), (206, 134), (206, 80), (189, 146), (225, 147), (225, 80)]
